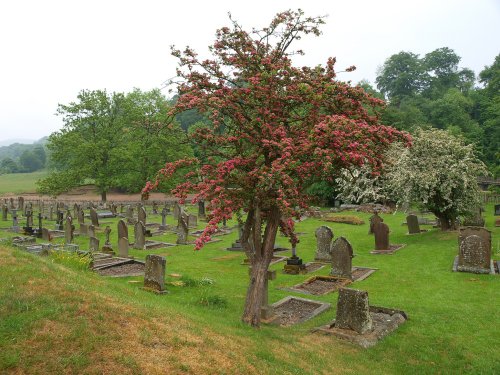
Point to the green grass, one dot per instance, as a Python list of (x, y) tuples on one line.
[(56, 317), (20, 183)]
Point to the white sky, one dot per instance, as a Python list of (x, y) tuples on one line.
[(50, 50)]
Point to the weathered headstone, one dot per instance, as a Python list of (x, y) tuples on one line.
[(474, 250), (15, 222), (93, 244), (201, 209), (20, 203), (123, 247), (130, 212), (497, 209), (91, 230), (93, 217), (381, 232), (141, 215), (163, 225), (154, 273), (5, 212), (324, 237), (413, 226), (46, 235), (353, 311), (107, 232), (68, 230), (374, 220), (155, 208), (122, 229), (192, 221), (81, 216), (84, 229), (76, 209), (342, 255), (182, 228), (139, 232), (177, 211)]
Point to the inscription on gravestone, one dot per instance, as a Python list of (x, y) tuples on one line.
[(413, 226), (342, 255), (381, 232), (154, 273), (139, 232), (474, 255), (353, 311)]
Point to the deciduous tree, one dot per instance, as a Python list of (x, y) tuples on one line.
[(275, 128)]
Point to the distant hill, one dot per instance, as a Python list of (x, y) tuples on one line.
[(9, 142)]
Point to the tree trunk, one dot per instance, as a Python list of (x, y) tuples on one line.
[(103, 196), (444, 222), (260, 254)]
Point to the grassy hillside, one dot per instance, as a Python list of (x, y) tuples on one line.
[(56, 317), (18, 183)]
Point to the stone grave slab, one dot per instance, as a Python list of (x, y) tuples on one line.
[(294, 310), (320, 285), (392, 249), (121, 267), (384, 322), (314, 266)]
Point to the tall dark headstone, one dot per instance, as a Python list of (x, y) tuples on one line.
[(342, 255), (381, 232), (474, 250), (5, 212), (413, 226), (182, 228), (122, 229), (353, 311), (154, 273), (324, 237), (374, 220), (68, 230), (201, 209), (497, 209)]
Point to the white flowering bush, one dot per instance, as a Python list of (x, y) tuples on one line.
[(360, 185), (438, 172)]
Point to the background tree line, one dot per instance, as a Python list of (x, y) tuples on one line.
[(20, 158), (115, 141)]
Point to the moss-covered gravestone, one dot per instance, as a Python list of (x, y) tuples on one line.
[(324, 236), (154, 273), (342, 255), (353, 310)]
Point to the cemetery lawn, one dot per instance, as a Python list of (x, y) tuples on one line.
[(56, 317), (20, 183)]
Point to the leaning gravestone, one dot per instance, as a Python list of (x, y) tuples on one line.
[(93, 244), (141, 215), (474, 250), (123, 247), (342, 255), (413, 226), (154, 273), (374, 220), (91, 230), (122, 229), (81, 216), (139, 232), (381, 232), (93, 217), (324, 236), (353, 311)]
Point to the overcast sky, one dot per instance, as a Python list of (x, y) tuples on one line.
[(50, 50)]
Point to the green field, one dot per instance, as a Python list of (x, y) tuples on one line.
[(20, 183), (56, 317)]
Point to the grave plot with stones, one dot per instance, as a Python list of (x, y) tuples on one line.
[(294, 310)]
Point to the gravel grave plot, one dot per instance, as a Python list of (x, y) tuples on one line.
[(293, 311), (322, 285), (123, 270), (311, 267), (360, 273), (392, 249)]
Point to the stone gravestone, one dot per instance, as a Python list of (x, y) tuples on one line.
[(139, 232), (81, 216), (201, 209), (68, 230), (497, 209), (324, 237), (155, 208), (130, 212), (141, 215), (182, 228), (412, 222), (374, 220), (15, 223), (123, 247), (46, 235), (342, 255), (177, 211), (474, 250), (5, 212), (51, 213), (94, 244), (154, 273), (93, 217), (91, 230), (11, 200), (163, 225), (76, 209), (122, 229), (353, 311), (20, 203), (381, 232), (192, 221)]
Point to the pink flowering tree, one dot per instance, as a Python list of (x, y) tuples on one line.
[(275, 129)]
